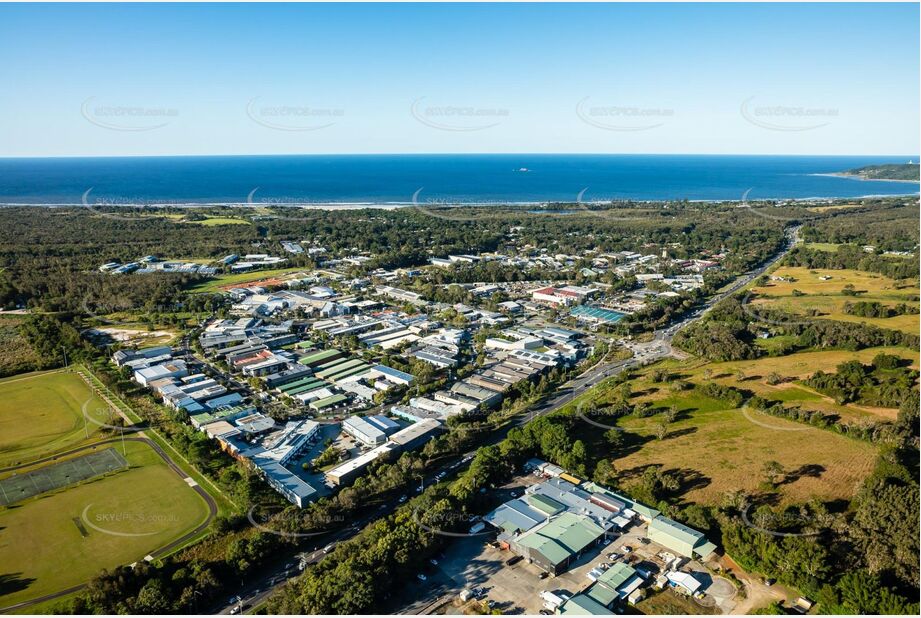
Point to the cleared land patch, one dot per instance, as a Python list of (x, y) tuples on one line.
[(123, 516), (723, 450), (261, 277), (43, 413)]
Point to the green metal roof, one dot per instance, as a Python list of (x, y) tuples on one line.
[(705, 549), (550, 549), (545, 504), (602, 594), (285, 388), (583, 605), (349, 372), (340, 367), (562, 537), (674, 536), (319, 357), (617, 575), (328, 401), (333, 363), (306, 388)]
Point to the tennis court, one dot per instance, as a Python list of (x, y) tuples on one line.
[(22, 486)]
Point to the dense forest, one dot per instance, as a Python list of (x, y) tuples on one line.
[(853, 257), (49, 256), (889, 225)]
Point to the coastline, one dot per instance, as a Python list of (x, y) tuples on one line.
[(863, 177), (329, 205)]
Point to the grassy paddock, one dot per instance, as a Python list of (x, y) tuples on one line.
[(65, 537), (825, 297), (715, 451)]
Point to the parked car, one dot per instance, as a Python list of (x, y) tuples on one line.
[(433, 562), (402, 499), (421, 577)]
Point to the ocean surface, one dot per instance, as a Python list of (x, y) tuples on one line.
[(396, 179)]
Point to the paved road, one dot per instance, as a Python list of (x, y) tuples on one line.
[(212, 510)]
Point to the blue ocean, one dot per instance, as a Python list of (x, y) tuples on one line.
[(396, 179)]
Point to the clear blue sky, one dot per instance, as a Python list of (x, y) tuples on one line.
[(235, 79)]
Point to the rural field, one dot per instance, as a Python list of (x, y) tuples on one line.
[(715, 449), (42, 413), (719, 450), (825, 297), (64, 537)]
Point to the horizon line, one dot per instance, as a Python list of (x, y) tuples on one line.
[(914, 157)]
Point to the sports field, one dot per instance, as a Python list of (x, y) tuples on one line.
[(43, 413), (822, 293), (64, 537)]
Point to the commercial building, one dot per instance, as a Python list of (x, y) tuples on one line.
[(679, 538), (345, 473), (123, 356), (417, 434), (554, 544), (369, 430), (170, 369)]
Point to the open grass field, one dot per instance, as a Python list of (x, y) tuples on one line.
[(243, 279), (42, 413), (716, 451), (825, 297), (181, 218), (211, 221), (65, 537)]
